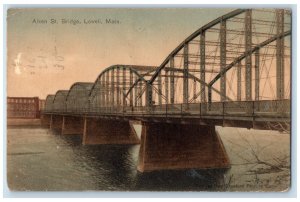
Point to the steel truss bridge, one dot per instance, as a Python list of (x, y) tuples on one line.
[(234, 71), (236, 67)]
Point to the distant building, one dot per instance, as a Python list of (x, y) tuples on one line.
[(24, 107)]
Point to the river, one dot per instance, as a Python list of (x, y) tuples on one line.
[(42, 160)]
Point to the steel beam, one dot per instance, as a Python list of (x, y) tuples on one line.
[(209, 97), (112, 87), (239, 83), (185, 74), (172, 81), (118, 86), (140, 86), (159, 88), (202, 66), (167, 85), (257, 75), (135, 91), (280, 55), (131, 83), (195, 90), (148, 95), (102, 102), (124, 86), (223, 59), (248, 59), (107, 90)]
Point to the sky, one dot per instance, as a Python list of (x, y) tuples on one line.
[(48, 50)]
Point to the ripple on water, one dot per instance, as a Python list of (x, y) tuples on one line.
[(39, 159)]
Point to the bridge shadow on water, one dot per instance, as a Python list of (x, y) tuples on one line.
[(181, 180), (114, 168)]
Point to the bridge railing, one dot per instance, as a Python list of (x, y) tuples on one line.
[(276, 108)]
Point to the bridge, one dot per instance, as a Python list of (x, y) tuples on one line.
[(233, 71)]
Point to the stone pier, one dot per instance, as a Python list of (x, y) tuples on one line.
[(176, 146), (45, 120), (105, 131), (56, 122), (72, 125)]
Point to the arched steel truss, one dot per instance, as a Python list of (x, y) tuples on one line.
[(77, 99), (49, 103), (228, 59), (120, 85), (244, 39), (59, 101)]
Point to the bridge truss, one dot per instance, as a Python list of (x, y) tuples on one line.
[(238, 65)]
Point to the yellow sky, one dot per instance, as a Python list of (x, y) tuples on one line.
[(45, 57)]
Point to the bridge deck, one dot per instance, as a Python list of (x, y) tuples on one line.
[(214, 113)]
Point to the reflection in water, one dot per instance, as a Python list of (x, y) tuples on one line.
[(182, 180), (113, 167), (39, 159)]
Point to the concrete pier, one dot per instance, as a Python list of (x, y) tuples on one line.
[(56, 122), (105, 131), (176, 146), (72, 125), (45, 120)]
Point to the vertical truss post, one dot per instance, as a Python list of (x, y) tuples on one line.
[(167, 86), (257, 75), (95, 103), (102, 102), (131, 83), (194, 91), (223, 59), (112, 87), (140, 86), (102, 91), (107, 90), (172, 81), (118, 86), (239, 81), (186, 75), (209, 97), (248, 60), (124, 87), (135, 91), (148, 95), (280, 55), (202, 66), (159, 88)]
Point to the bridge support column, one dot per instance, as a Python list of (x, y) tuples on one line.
[(45, 120), (72, 125), (103, 131), (56, 122), (175, 146)]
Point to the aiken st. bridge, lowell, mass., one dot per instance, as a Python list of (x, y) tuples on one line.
[(234, 72)]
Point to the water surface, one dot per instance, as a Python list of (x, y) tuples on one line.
[(42, 160)]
